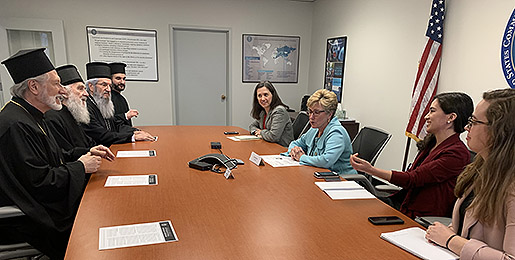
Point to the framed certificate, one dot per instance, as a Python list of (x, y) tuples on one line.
[(134, 47)]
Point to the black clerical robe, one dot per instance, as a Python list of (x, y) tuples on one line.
[(67, 132), (34, 173), (106, 131), (121, 106)]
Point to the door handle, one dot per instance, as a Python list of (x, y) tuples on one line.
[(223, 97)]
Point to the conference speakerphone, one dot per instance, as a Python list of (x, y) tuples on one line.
[(207, 161)]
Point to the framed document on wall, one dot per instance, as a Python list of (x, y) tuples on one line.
[(135, 47), (335, 65), (270, 57)]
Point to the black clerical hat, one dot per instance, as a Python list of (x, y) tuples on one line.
[(28, 63), (117, 67), (96, 70), (69, 74)]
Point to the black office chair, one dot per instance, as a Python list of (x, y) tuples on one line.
[(18, 250), (363, 181), (369, 143), (300, 124), (304, 102)]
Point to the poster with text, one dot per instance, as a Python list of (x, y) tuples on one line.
[(335, 64), (134, 47), (272, 58)]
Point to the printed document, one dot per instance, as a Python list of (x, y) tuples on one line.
[(131, 180), (344, 190), (136, 235), (279, 160), (138, 153), (243, 137), (413, 240)]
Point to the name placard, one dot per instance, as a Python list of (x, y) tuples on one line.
[(256, 159), (228, 174)]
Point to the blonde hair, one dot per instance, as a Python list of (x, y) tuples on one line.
[(326, 98), (493, 178)]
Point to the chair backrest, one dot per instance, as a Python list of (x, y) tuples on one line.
[(10, 211), (300, 123), (361, 180), (472, 155), (370, 142), (18, 250), (304, 102)]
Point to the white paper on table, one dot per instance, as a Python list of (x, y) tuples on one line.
[(279, 160), (138, 153), (243, 137), (349, 194), (413, 240), (131, 180), (136, 235), (341, 185), (343, 190)]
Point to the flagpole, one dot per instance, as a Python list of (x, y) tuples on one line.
[(406, 152), (428, 71)]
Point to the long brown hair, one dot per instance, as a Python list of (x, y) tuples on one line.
[(276, 100), (493, 178)]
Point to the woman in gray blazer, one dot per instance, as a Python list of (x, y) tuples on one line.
[(272, 122)]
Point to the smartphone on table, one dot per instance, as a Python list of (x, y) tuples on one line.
[(385, 220), (323, 175)]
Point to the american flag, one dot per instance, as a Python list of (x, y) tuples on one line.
[(427, 75)]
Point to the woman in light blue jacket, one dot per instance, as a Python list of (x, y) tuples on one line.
[(327, 144)]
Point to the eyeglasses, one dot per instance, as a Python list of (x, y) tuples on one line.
[(472, 121), (315, 112)]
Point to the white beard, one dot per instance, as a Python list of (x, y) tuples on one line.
[(79, 111), (51, 101), (105, 105)]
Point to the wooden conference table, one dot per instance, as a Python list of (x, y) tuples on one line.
[(263, 213)]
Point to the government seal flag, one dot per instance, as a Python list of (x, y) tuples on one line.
[(427, 74)]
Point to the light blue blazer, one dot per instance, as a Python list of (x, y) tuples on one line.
[(331, 151)]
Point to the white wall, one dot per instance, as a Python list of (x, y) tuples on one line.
[(154, 99), (385, 42)]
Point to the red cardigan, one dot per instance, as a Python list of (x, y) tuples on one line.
[(429, 183)]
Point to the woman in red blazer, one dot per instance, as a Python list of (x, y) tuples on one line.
[(483, 220), (428, 185)]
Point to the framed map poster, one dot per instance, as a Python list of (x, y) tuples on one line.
[(335, 65), (270, 57)]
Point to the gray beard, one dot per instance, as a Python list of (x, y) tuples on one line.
[(79, 112), (105, 106), (50, 101)]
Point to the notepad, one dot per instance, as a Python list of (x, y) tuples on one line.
[(344, 190), (136, 235), (131, 180), (413, 240), (138, 153), (243, 137)]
